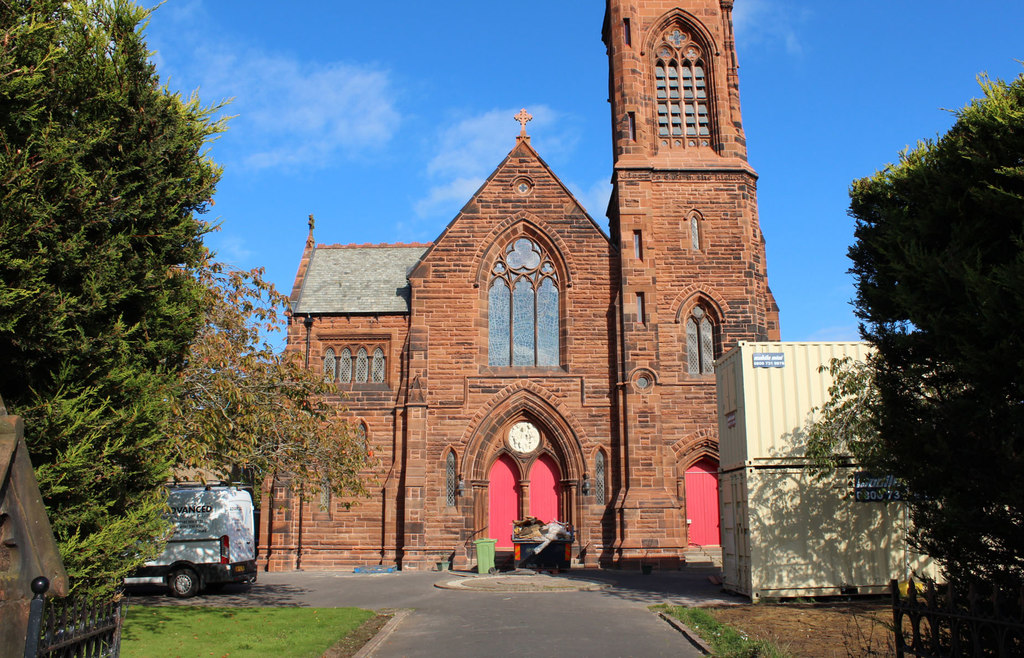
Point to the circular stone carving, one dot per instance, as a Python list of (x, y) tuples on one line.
[(522, 186), (523, 438), (643, 380)]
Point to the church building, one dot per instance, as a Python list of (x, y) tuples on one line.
[(526, 363)]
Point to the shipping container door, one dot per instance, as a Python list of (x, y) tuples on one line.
[(544, 489), (702, 503), (504, 501)]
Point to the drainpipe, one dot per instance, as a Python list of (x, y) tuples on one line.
[(308, 324)]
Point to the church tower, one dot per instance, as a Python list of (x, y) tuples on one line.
[(683, 214)]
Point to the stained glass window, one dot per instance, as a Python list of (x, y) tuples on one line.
[(523, 308), (524, 322), (330, 365), (599, 477), (695, 232), (378, 365), (449, 479), (700, 343), (680, 89), (362, 366), (498, 323), (547, 323)]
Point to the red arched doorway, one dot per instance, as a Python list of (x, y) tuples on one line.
[(702, 503), (545, 487), (504, 501)]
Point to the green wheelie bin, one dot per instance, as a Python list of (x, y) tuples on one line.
[(485, 555)]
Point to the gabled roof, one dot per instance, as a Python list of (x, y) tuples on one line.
[(358, 279), (522, 149)]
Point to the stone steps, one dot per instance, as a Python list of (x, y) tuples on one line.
[(703, 556)]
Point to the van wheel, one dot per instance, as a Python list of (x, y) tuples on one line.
[(184, 583)]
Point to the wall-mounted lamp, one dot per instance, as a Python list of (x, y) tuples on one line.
[(462, 487), (586, 485)]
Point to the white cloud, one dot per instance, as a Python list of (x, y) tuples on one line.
[(451, 195), (289, 113), (769, 23), (594, 199), (292, 114), (469, 150), (230, 249)]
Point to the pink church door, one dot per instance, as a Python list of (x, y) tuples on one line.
[(504, 501), (545, 487), (702, 503)]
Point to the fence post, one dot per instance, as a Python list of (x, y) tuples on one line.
[(35, 615)]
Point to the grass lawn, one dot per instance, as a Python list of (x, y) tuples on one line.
[(725, 641), (168, 631)]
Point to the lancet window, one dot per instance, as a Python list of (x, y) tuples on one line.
[(700, 343), (450, 484), (355, 364)]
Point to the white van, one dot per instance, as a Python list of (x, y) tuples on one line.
[(213, 541)]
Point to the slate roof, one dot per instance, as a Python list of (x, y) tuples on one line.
[(358, 279)]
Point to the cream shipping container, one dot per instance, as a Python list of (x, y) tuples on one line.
[(785, 533)]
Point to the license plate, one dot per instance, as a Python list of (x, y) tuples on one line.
[(239, 567)]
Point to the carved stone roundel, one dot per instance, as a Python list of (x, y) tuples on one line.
[(523, 437)]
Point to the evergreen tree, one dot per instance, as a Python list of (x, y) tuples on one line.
[(102, 176), (939, 262)]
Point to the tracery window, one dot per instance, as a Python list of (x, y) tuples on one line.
[(523, 307), (700, 343), (599, 477), (330, 365), (451, 486), (681, 90)]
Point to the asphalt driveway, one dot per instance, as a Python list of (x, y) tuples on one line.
[(610, 620)]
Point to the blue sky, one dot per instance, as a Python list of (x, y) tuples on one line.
[(382, 119)]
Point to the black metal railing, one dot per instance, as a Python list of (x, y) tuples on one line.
[(73, 627), (943, 622)]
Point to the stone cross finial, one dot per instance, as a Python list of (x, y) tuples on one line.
[(522, 118), (311, 223)]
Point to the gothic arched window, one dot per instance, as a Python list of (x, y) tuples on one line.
[(523, 308), (700, 343), (681, 90), (600, 475), (696, 239), (378, 365), (330, 365), (362, 366), (450, 484), (345, 366), (361, 437)]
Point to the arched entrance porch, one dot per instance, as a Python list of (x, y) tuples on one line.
[(523, 455)]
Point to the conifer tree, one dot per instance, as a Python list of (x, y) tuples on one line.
[(939, 263), (102, 177)]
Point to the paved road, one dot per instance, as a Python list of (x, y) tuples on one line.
[(444, 622)]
